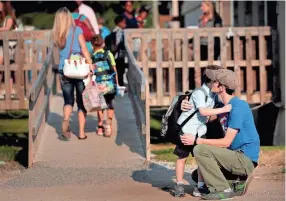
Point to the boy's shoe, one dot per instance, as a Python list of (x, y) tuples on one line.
[(240, 187), (179, 190), (218, 196), (198, 192)]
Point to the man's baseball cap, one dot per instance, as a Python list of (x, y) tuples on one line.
[(224, 76)]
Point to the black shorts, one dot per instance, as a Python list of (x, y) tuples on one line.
[(109, 99), (184, 151)]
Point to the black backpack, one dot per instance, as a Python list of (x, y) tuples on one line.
[(170, 129), (110, 42)]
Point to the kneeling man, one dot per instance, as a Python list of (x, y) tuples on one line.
[(237, 152)]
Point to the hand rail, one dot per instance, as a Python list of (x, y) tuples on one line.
[(139, 95), (39, 100)]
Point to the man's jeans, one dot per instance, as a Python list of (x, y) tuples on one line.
[(211, 159)]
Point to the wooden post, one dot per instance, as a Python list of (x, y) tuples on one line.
[(155, 14), (262, 71), (197, 59), (236, 48), (159, 70), (249, 71), (225, 13)]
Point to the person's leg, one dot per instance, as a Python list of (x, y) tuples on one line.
[(100, 123), (120, 65), (110, 113), (79, 85), (180, 169), (211, 159), (68, 94)]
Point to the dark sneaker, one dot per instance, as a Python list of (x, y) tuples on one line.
[(240, 187), (218, 196), (198, 192), (179, 190)]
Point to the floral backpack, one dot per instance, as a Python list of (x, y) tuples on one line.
[(105, 75)]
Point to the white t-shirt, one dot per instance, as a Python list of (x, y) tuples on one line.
[(197, 124), (89, 13)]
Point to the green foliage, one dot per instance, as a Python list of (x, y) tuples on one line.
[(8, 153), (14, 126), (109, 16), (42, 20), (39, 20)]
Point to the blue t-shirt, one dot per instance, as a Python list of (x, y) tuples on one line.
[(247, 138), (76, 49), (104, 32), (76, 16)]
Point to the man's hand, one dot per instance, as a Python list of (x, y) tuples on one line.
[(188, 139), (186, 106), (227, 108)]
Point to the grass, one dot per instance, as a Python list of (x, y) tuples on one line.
[(8, 153), (14, 126), (167, 155), (272, 148), (270, 155), (155, 124)]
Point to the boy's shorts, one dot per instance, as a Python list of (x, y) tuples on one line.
[(184, 151)]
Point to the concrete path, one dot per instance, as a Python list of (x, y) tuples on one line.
[(98, 168)]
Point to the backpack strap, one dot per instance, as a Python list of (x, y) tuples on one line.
[(107, 58), (72, 42), (191, 116)]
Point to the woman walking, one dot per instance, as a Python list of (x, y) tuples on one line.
[(69, 38)]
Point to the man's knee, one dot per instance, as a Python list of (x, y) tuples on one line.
[(201, 149)]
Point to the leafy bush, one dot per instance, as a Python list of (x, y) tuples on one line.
[(39, 20)]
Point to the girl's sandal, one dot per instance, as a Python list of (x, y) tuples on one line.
[(66, 133), (108, 131), (100, 130)]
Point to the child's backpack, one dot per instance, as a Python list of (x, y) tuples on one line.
[(170, 129), (110, 43), (105, 74), (87, 33)]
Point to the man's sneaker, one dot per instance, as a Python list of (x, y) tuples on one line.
[(198, 192), (179, 190), (240, 187), (218, 196)]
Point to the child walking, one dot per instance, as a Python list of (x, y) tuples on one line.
[(106, 77)]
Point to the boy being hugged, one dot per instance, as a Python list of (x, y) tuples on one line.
[(106, 76), (203, 100)]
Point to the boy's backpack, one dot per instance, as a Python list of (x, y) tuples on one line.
[(110, 42), (87, 33), (170, 129), (104, 71)]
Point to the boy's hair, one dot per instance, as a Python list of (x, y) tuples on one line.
[(210, 67), (97, 40), (118, 19)]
